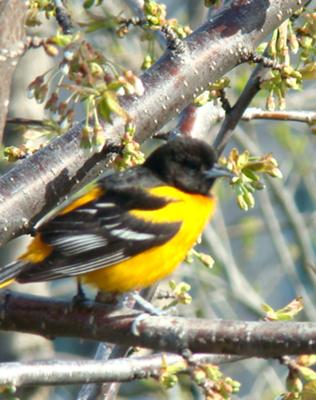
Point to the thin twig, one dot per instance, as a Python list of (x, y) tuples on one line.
[(63, 18), (308, 117), (235, 113)]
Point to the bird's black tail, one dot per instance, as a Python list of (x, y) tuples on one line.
[(10, 271)]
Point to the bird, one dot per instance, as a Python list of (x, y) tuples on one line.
[(132, 228)]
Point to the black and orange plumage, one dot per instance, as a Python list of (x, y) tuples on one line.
[(132, 228)]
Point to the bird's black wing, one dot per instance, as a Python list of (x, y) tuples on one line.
[(101, 232)]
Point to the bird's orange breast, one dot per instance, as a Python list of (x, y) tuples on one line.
[(192, 210)]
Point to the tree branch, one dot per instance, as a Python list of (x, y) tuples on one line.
[(35, 185), (308, 117), (251, 113), (50, 318), (12, 16), (235, 113), (61, 372)]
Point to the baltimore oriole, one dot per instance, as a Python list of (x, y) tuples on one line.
[(132, 228)]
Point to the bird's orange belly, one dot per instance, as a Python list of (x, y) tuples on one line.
[(158, 262)]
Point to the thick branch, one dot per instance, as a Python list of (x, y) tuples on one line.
[(61, 372), (33, 187), (52, 318)]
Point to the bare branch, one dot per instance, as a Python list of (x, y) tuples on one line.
[(95, 321), (251, 113), (61, 372), (308, 117), (235, 113), (63, 18)]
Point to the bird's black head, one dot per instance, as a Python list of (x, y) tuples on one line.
[(186, 163)]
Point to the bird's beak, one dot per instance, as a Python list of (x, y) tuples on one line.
[(217, 171)]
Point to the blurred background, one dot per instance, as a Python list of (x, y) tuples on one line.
[(264, 255)]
